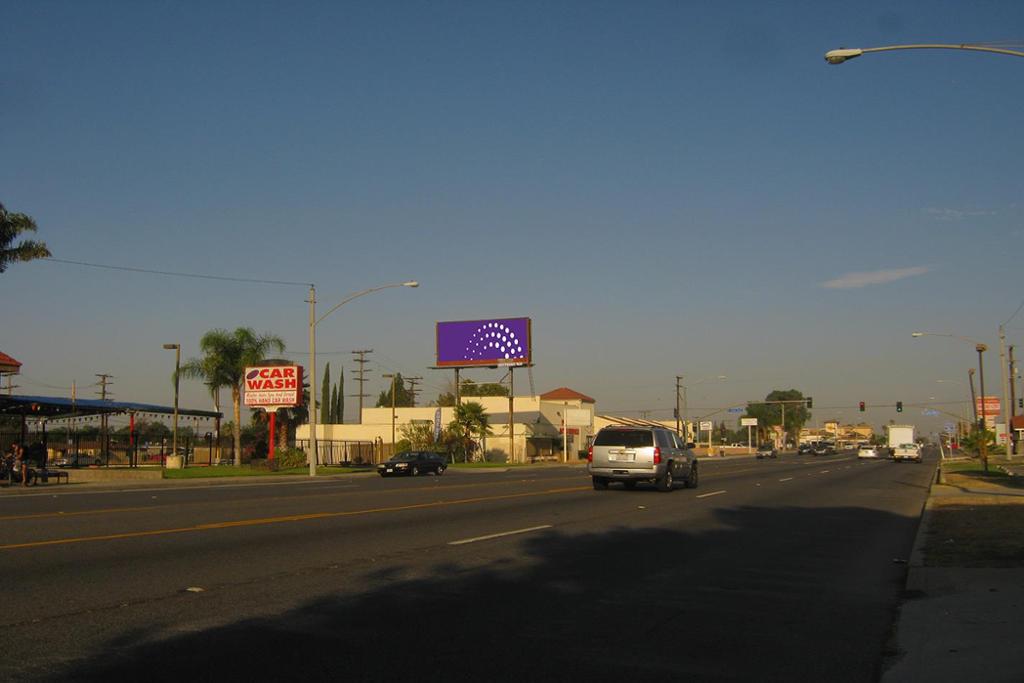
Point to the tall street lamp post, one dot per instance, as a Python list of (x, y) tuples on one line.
[(313, 322), (392, 376), (177, 372), (983, 427)]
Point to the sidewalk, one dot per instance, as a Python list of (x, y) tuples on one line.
[(963, 609)]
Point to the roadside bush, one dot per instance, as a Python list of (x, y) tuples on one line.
[(287, 458), (403, 445)]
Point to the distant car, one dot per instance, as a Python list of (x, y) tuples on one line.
[(412, 463), (868, 452), (767, 450), (641, 454), (805, 448), (77, 460), (907, 451), (824, 448)]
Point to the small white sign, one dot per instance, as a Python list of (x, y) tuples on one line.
[(707, 426), (748, 421), (577, 417)]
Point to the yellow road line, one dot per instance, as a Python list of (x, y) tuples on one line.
[(40, 515), (207, 503), (283, 519)]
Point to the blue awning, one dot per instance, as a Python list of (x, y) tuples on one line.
[(58, 406)]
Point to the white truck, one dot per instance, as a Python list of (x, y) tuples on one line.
[(901, 443)]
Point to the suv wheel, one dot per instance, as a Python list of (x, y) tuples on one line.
[(665, 482), (600, 483), (693, 479)]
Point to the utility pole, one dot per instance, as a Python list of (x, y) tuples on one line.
[(104, 383), (412, 387), (1013, 402), (361, 378), (679, 416), (1003, 366)]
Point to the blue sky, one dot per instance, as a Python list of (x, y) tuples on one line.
[(663, 187)]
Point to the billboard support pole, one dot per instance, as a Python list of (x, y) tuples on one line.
[(511, 408), (457, 389)]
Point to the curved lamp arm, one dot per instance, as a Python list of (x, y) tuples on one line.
[(411, 283), (844, 54)]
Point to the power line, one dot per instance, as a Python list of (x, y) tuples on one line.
[(169, 273)]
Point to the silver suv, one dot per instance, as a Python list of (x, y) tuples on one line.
[(632, 454)]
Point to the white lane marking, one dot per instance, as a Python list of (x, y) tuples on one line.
[(713, 493), (786, 479), (824, 472), (499, 535)]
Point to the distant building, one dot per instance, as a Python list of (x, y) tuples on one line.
[(536, 432)]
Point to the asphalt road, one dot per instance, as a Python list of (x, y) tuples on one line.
[(786, 569)]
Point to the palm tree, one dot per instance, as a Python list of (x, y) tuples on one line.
[(12, 225), (470, 423), (225, 357)]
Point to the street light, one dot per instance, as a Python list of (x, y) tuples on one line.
[(981, 348), (845, 54), (177, 371), (392, 377), (681, 414), (313, 322)]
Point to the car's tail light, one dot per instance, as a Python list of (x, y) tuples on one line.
[(657, 455), (590, 454)]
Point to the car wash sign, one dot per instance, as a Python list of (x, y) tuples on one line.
[(277, 386)]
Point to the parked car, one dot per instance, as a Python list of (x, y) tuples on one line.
[(767, 450), (907, 451), (641, 454), (805, 448), (412, 463), (868, 452), (77, 460)]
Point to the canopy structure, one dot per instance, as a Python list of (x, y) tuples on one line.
[(58, 406), (8, 366)]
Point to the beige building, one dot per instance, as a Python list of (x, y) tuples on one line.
[(536, 429)]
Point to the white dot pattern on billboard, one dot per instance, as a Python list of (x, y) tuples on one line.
[(491, 338)]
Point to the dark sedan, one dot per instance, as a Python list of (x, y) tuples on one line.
[(824, 448), (412, 463)]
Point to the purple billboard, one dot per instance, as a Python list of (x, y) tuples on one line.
[(497, 341)]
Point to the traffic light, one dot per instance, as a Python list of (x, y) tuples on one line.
[(1020, 402), (899, 406), (862, 406), (810, 402)]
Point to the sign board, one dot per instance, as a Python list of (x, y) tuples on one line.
[(496, 341), (748, 421), (573, 431), (577, 417), (737, 410), (991, 405), (949, 427), (707, 426), (929, 412), (273, 386), (437, 425)]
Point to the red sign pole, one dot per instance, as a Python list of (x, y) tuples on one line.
[(270, 446)]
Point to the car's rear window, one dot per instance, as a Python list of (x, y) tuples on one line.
[(626, 438)]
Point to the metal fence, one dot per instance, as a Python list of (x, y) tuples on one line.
[(338, 452)]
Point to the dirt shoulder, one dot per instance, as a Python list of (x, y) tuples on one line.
[(976, 519)]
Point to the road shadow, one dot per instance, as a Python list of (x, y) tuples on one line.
[(768, 594)]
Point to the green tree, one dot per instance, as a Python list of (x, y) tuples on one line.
[(339, 398), (225, 357), (403, 397), (420, 435), (769, 413), (325, 396), (12, 226), (445, 399), (470, 424), (471, 388)]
